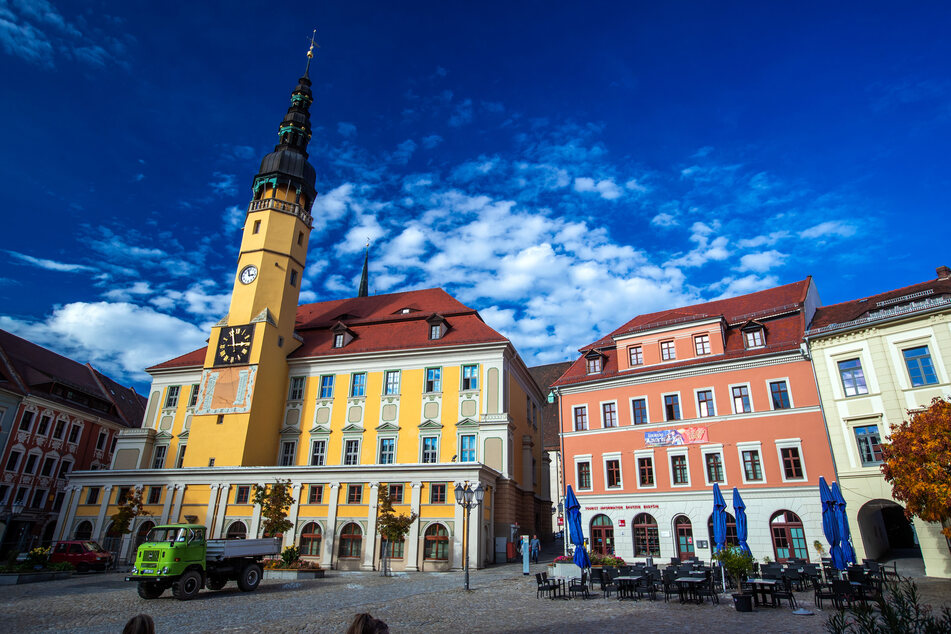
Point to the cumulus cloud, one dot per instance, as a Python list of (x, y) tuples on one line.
[(606, 188), (664, 219), (762, 261), (431, 141), (346, 129)]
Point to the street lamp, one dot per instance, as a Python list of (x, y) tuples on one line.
[(552, 399), (467, 497)]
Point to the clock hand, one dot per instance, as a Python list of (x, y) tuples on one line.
[(232, 340)]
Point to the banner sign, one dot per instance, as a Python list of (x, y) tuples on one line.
[(682, 436)]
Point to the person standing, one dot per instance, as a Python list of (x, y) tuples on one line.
[(536, 547)]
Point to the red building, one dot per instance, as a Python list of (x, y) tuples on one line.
[(56, 416)]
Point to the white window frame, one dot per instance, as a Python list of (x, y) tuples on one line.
[(180, 455), (290, 388), (696, 401), (323, 454), (640, 347), (594, 365), (645, 453), (706, 450), (101, 440), (50, 423), (752, 332), (751, 446), (577, 461), (21, 451), (293, 452), (620, 464), (749, 394), (343, 453), (673, 343), (703, 335), (36, 465), (320, 388), (462, 377), (475, 446), (437, 381), (56, 460), (789, 392), (379, 449), (647, 409), (680, 406), (386, 382), (671, 453), (617, 416), (422, 450), (79, 436), (155, 456), (587, 418), (786, 443), (168, 394)]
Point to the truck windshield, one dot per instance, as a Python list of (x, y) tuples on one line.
[(92, 547), (163, 534)]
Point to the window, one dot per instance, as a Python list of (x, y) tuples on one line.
[(753, 338), (315, 494), (39, 498), (122, 493), (435, 331), (467, 448), (584, 475), (257, 227), (318, 453), (57, 502), (101, 441), (613, 470), (158, 459), (431, 449), (789, 538), (920, 369), (338, 340), (351, 541), (171, 397), (636, 355), (646, 536), (23, 492), (609, 414), (300, 238), (436, 543), (293, 277), (779, 394), (853, 380), (714, 465), (792, 464), (92, 495), (392, 550), (237, 530), (288, 449), (701, 343), (667, 350), (679, 474), (594, 365), (470, 377), (327, 386), (14, 460), (354, 493), (645, 471), (44, 426), (752, 468), (64, 468), (741, 399), (391, 386), (358, 384), (672, 406), (310, 538), (180, 461), (581, 418), (639, 411), (74, 434), (387, 450), (433, 380), (351, 452), (870, 449), (4, 489), (48, 465), (155, 495), (26, 421), (437, 493), (60, 428), (193, 396), (705, 405), (242, 494), (396, 493), (29, 467), (296, 391)]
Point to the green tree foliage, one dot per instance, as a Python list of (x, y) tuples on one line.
[(275, 501), (129, 508), (899, 609)]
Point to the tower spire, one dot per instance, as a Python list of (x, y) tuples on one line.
[(365, 278), (310, 54)]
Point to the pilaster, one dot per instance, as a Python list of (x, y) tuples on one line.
[(65, 519), (290, 535), (212, 505), (370, 551), (412, 537), (219, 531), (330, 537)]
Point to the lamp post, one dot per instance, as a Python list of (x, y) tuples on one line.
[(552, 399), (467, 497)]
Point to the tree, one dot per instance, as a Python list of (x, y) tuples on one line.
[(130, 507), (275, 500), (391, 525), (917, 463)]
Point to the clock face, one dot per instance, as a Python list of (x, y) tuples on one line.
[(234, 345), (248, 274)]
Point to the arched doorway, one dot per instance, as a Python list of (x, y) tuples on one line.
[(142, 533), (436, 543), (646, 536), (602, 535), (310, 538), (789, 538), (237, 530), (83, 531), (731, 538), (886, 531), (684, 532)]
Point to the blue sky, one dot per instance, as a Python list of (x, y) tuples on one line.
[(561, 167)]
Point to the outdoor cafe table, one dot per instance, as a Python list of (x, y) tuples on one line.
[(687, 587), (626, 584), (763, 588), (561, 587)]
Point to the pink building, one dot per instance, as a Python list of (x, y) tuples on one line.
[(656, 412)]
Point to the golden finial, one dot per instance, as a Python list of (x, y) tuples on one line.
[(310, 51)]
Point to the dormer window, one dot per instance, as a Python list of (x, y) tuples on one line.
[(341, 335), (594, 365), (405, 311), (338, 340), (437, 326), (754, 338), (435, 331)]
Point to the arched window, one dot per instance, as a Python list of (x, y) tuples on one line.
[(437, 543), (731, 538), (310, 540), (393, 550), (83, 531), (351, 540), (789, 538), (646, 537), (237, 530), (602, 535)]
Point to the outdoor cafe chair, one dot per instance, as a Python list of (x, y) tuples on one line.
[(579, 585), (707, 589), (842, 593), (784, 591), (646, 587), (822, 591), (669, 585), (608, 583), (544, 585), (795, 577)]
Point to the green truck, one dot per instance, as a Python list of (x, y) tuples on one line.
[(178, 556)]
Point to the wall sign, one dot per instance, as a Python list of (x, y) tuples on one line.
[(669, 437)]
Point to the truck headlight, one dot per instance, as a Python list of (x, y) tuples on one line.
[(134, 571), (165, 570)]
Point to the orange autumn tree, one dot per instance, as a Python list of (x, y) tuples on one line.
[(917, 463)]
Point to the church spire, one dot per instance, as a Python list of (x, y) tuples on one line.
[(365, 278)]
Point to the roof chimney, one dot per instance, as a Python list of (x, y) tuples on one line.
[(943, 272)]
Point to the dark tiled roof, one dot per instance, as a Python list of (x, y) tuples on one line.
[(857, 309), (545, 376)]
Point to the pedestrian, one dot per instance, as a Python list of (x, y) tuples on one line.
[(139, 624), (366, 624), (536, 547)]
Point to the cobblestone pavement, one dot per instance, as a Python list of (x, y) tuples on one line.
[(501, 600)]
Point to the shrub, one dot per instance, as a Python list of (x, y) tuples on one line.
[(38, 557), (899, 609), (290, 556)]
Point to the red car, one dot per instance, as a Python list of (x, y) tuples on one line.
[(85, 555)]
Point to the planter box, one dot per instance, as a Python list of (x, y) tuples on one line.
[(293, 575), (16, 578), (567, 570)]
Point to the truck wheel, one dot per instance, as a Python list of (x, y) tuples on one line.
[(216, 582), (250, 578), (150, 590), (187, 586)]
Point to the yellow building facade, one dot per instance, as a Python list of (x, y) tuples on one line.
[(409, 390)]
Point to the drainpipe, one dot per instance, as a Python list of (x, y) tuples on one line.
[(807, 353)]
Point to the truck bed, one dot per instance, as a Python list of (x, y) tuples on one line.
[(219, 549)]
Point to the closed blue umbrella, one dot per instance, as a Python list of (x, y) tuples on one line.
[(741, 528), (575, 531), (845, 535), (830, 524), (719, 519)]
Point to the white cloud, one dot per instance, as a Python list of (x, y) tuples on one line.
[(635, 186), (606, 188), (51, 265), (224, 183), (733, 286), (829, 229), (664, 219), (126, 294), (404, 151), (763, 261), (431, 141), (332, 206), (762, 240), (234, 217), (462, 114)]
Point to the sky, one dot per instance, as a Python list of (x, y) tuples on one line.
[(560, 167)]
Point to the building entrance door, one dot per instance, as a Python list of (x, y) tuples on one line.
[(684, 537), (602, 535)]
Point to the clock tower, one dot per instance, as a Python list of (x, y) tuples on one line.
[(244, 378)]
